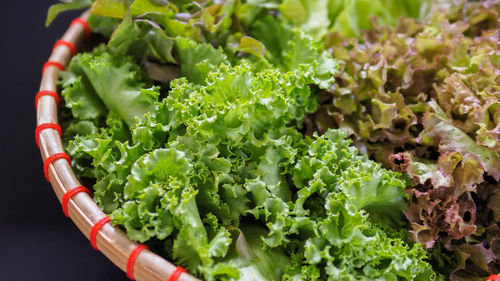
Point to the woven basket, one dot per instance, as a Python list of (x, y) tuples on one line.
[(84, 212)]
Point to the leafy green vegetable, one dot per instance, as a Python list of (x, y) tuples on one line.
[(293, 48), (56, 9), (211, 161), (106, 83), (349, 17), (252, 46), (197, 60), (103, 25), (212, 169), (142, 39)]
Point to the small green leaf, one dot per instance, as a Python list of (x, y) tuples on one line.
[(140, 7), (110, 8), (293, 10), (56, 9), (252, 46)]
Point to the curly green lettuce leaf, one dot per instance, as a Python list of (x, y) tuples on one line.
[(253, 261), (105, 156), (98, 83), (198, 59), (332, 175), (290, 48)]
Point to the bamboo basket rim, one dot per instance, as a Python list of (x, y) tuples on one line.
[(82, 209)]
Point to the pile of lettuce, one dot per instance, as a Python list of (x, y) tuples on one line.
[(423, 97), (188, 124)]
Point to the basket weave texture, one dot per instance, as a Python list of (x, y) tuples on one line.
[(84, 212)]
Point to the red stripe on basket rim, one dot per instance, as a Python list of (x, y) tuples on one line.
[(175, 275), (95, 229), (131, 260), (51, 159), (52, 63), (68, 195), (68, 44), (41, 127), (493, 277), (84, 23), (46, 93)]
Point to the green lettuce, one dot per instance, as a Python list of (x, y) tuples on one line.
[(97, 84), (189, 124), (349, 17), (220, 174)]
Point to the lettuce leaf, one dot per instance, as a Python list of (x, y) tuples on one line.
[(106, 83), (349, 17), (291, 47), (56, 9), (197, 60)]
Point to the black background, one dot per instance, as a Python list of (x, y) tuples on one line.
[(37, 242)]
